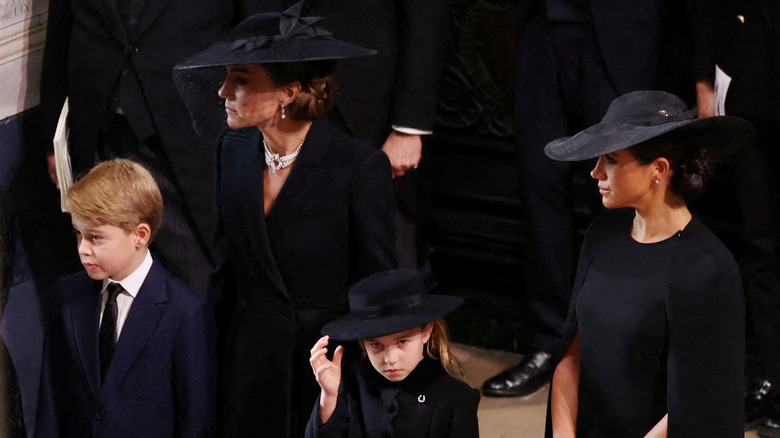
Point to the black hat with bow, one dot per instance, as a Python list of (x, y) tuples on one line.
[(260, 39)]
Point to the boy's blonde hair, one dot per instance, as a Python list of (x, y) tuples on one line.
[(120, 193)]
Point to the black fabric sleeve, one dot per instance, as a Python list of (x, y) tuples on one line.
[(338, 425), (464, 422), (221, 290), (422, 44), (706, 338), (54, 74), (372, 214), (705, 29)]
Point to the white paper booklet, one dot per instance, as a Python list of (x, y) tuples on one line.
[(62, 156), (722, 81)]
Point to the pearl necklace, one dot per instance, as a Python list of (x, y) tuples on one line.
[(276, 162)]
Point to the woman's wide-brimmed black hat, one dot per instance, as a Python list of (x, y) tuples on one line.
[(275, 37), (260, 39), (389, 302), (639, 116)]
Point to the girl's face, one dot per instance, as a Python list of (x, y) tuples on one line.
[(396, 356), (622, 181), (251, 98)]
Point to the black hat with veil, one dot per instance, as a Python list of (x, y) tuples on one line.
[(260, 39)]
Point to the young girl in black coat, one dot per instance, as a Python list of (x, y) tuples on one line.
[(408, 384)]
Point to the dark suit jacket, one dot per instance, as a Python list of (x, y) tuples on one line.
[(288, 274), (399, 86), (642, 42), (748, 50), (89, 48), (429, 403), (162, 379)]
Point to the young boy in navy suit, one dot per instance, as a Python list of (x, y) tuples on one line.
[(130, 350)]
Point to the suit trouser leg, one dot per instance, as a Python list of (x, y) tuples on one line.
[(177, 245), (561, 86), (757, 180), (411, 194)]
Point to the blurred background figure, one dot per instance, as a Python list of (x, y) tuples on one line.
[(11, 410), (741, 38), (113, 60), (572, 58), (388, 100)]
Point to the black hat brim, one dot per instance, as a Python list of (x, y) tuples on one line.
[(293, 50), (354, 326), (721, 135)]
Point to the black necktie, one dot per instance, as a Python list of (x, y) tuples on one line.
[(107, 337)]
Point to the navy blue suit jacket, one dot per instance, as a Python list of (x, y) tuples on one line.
[(162, 379)]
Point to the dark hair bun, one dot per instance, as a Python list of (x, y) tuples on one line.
[(315, 99), (692, 174)]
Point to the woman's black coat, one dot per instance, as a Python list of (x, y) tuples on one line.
[(280, 278)]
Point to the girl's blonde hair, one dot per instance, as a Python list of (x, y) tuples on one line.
[(438, 347)]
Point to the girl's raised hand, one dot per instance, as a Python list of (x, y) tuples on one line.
[(327, 372)]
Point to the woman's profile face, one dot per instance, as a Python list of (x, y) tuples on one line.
[(251, 98), (622, 180)]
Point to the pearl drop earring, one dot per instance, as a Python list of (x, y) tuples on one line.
[(283, 115)]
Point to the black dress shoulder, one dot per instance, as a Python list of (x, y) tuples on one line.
[(661, 329)]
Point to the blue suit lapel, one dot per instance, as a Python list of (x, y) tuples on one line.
[(304, 178), (148, 307), (84, 318)]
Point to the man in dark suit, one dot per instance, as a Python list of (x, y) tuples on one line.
[(387, 100), (130, 351), (742, 37), (573, 57), (113, 60)]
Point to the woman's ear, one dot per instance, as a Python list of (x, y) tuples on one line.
[(142, 234), (291, 92), (662, 169)]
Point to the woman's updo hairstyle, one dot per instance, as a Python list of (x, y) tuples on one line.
[(691, 163), (318, 86)]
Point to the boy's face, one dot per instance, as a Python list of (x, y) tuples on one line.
[(396, 356), (107, 251)]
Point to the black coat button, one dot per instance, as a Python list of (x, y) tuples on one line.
[(100, 414)]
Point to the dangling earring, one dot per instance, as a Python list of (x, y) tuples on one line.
[(283, 115)]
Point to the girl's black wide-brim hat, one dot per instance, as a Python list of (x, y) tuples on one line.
[(389, 302), (640, 116), (260, 39)]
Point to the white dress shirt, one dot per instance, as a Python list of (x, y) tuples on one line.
[(131, 285)]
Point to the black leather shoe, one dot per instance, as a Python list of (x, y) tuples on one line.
[(769, 426), (532, 373), (756, 402)]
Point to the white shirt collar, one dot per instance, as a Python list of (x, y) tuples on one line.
[(132, 283)]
